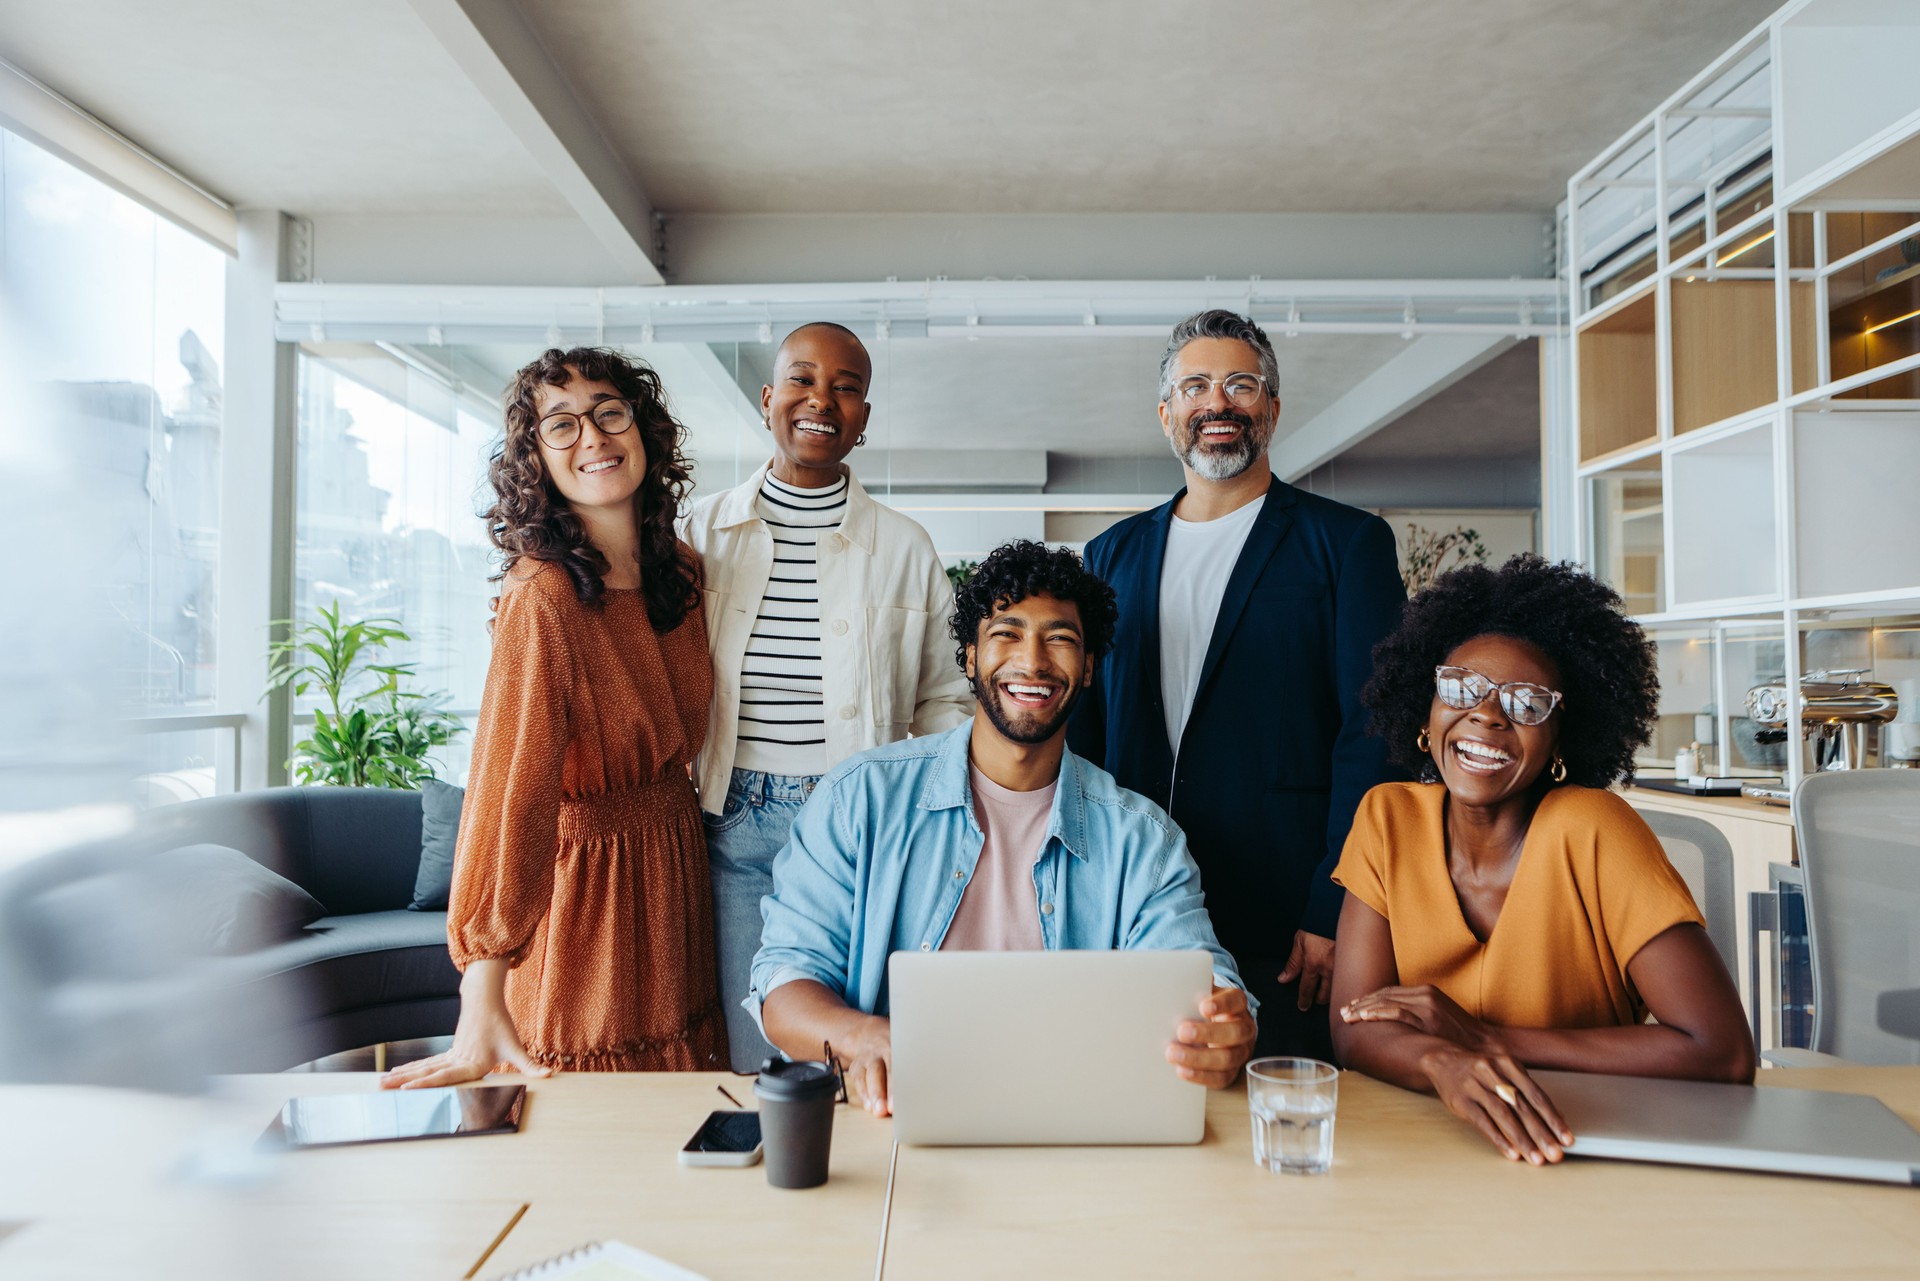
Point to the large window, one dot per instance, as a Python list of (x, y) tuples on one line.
[(392, 466), (111, 331)]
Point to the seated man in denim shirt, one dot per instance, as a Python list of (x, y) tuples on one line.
[(991, 836)]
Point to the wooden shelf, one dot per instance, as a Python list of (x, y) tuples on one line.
[(1848, 233), (1723, 348), (1856, 350), (1617, 380)]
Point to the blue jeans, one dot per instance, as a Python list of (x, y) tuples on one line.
[(741, 842)]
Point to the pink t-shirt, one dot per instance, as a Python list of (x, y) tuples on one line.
[(998, 912)]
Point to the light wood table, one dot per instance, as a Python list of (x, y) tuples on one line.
[(1413, 1193), (107, 1184), (607, 1166), (103, 1183)]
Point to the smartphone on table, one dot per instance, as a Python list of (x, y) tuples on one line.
[(724, 1138)]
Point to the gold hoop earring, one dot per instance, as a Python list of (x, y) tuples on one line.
[(1559, 771), (1422, 742)]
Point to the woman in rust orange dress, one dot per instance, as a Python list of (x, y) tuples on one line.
[(581, 911)]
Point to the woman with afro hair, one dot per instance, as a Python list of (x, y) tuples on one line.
[(1507, 911)]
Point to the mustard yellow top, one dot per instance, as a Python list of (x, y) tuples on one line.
[(1592, 888)]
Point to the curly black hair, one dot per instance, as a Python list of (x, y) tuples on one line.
[(1022, 568), (1606, 662)]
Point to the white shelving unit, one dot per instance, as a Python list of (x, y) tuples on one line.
[(1743, 276)]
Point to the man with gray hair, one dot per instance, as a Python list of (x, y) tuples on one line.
[(1248, 614)]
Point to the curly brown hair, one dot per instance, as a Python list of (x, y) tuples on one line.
[(530, 520)]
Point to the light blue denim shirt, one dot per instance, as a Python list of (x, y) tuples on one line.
[(881, 854)]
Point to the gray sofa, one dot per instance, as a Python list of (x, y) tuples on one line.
[(368, 970)]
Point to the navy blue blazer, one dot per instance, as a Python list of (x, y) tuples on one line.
[(1275, 756)]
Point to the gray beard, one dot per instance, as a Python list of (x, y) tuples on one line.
[(1214, 465)]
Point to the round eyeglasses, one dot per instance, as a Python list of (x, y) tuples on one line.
[(1241, 389), (1525, 703), (610, 418)]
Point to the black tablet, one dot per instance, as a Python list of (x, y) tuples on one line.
[(391, 1116)]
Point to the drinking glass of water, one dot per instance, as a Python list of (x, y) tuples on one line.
[(1292, 1101)]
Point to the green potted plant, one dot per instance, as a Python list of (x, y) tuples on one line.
[(371, 731)]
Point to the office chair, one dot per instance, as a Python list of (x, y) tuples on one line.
[(92, 991), (1699, 852), (1859, 837)]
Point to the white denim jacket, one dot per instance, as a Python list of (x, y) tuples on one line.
[(885, 604)]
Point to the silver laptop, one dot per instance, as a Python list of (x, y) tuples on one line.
[(1736, 1127), (1044, 1047)]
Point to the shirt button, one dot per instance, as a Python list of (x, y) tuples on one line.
[(959, 875), (926, 947), (847, 713), (1046, 909), (839, 627), (830, 543)]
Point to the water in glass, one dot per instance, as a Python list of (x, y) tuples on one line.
[(1292, 1102), (1295, 1140)]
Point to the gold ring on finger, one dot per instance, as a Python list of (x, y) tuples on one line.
[(1506, 1094)]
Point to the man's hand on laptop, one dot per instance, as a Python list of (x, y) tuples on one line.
[(1212, 1049), (804, 1017), (868, 1055)]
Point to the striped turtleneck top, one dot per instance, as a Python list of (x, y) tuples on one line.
[(782, 726)]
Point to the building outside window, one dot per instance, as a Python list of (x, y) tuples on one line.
[(111, 326), (391, 478)]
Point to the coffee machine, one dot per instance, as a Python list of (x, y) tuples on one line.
[(1836, 707)]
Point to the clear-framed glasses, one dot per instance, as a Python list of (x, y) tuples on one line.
[(610, 418), (1525, 703), (1241, 389)]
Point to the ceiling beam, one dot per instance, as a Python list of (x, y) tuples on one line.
[(492, 43), (45, 118), (1428, 366)]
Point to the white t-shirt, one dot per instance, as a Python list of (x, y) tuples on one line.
[(1193, 580)]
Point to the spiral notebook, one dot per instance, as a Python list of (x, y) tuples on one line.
[(605, 1261)]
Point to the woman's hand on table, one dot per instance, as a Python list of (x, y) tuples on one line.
[(1424, 1009), (1494, 1094), (483, 1039)]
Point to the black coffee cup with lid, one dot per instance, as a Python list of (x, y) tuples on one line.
[(796, 1120)]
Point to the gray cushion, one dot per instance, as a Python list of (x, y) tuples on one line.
[(232, 903), (356, 849), (143, 915), (439, 833)]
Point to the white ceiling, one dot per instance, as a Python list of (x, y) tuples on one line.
[(351, 106), (1494, 412), (346, 106), (1095, 106)]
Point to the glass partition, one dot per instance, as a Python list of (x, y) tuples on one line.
[(112, 325), (1625, 509)]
